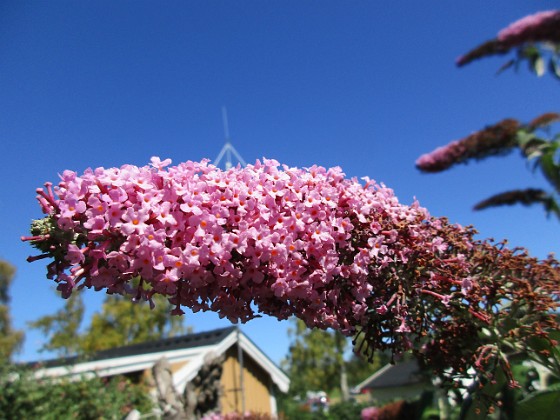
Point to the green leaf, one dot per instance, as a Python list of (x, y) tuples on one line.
[(554, 68), (529, 52), (552, 207), (538, 66), (524, 137), (506, 66), (533, 56), (534, 153), (543, 405), (549, 168), (539, 344), (554, 335)]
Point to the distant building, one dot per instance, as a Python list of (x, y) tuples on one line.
[(400, 381), (249, 379)]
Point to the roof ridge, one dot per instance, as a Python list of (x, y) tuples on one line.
[(169, 343), (190, 340)]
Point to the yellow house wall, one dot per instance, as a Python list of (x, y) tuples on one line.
[(256, 383)]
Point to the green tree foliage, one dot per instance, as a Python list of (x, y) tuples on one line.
[(313, 362), (120, 322), (10, 339), (23, 396), (316, 361), (63, 327)]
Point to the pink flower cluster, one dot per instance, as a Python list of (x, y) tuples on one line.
[(370, 413), (496, 139), (541, 26), (307, 242), (442, 157)]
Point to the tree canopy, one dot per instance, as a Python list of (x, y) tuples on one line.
[(10, 338), (120, 322), (319, 360)]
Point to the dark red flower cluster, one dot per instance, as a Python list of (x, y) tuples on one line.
[(496, 139), (540, 27), (516, 299)]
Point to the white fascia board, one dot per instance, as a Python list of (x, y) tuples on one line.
[(226, 343), (187, 373), (125, 364)]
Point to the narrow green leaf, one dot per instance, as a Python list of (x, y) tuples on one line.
[(534, 154), (538, 66), (552, 206), (554, 68), (529, 51), (505, 66), (550, 170), (554, 335), (523, 138)]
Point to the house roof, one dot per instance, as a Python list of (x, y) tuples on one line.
[(392, 376), (191, 348), (206, 338)]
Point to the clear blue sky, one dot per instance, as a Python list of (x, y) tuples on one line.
[(365, 85)]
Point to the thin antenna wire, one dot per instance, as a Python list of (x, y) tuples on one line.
[(226, 126), (228, 148)]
